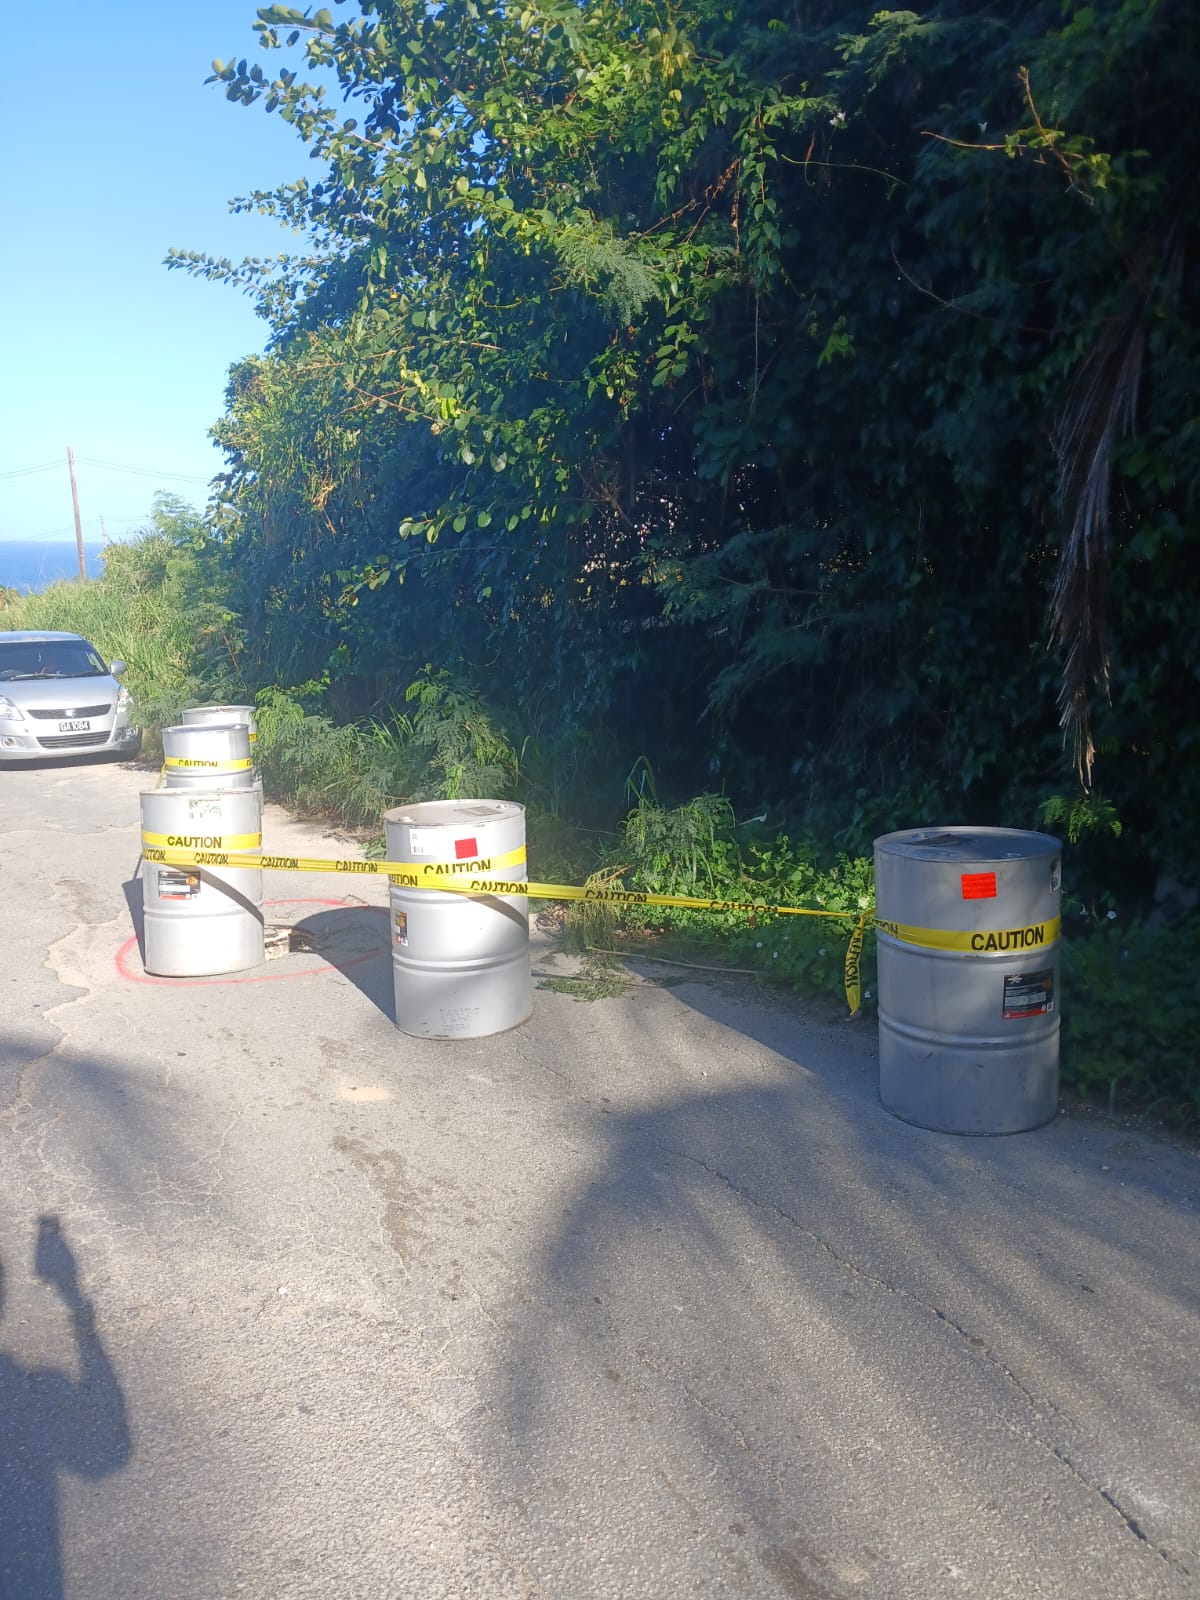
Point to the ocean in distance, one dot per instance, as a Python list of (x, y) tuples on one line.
[(31, 565)]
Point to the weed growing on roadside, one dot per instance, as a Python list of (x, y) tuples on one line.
[(601, 979), (691, 850), (464, 752)]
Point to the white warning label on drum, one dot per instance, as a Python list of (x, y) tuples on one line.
[(1028, 994), (177, 885)]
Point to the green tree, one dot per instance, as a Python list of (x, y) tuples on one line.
[(774, 372)]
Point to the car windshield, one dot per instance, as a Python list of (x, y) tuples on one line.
[(49, 658)]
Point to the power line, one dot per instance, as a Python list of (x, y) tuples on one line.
[(139, 472), (103, 466), (28, 472)]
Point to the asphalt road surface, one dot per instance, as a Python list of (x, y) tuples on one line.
[(649, 1297)]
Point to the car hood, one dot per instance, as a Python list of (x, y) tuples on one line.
[(60, 694)]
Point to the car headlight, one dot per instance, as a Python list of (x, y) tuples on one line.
[(10, 712), (122, 697)]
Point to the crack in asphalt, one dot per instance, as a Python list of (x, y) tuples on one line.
[(671, 1376), (1131, 1524)]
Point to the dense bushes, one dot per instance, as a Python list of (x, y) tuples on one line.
[(447, 746), (162, 608), (1131, 1020), (759, 392), (698, 850)]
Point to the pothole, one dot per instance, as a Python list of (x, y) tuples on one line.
[(281, 940)]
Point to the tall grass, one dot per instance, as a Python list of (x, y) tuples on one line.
[(447, 748), (348, 772), (161, 610), (147, 611)]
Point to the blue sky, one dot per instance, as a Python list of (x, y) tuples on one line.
[(115, 151)]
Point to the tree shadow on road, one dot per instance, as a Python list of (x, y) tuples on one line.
[(808, 1323), (51, 1423)]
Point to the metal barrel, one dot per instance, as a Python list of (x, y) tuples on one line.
[(460, 963), (201, 716), (201, 920), (968, 930), (224, 714), (208, 755)]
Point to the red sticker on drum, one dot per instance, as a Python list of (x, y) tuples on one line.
[(464, 849), (979, 885)]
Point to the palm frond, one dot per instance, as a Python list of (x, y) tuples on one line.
[(1101, 408)]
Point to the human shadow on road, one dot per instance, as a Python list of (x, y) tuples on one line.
[(52, 1423)]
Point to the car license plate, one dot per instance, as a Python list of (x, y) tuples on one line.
[(76, 725)]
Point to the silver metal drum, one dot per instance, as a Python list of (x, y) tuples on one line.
[(207, 716), (224, 714), (208, 755), (460, 963), (968, 926), (201, 920)]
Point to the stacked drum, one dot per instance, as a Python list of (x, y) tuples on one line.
[(203, 918), (460, 960), (222, 716), (199, 715)]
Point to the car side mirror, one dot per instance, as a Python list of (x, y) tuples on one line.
[(116, 668)]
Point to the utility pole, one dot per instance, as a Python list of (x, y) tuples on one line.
[(103, 535), (75, 504)]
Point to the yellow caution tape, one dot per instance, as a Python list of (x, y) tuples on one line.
[(474, 865), (202, 841), (472, 877), (475, 877), (853, 978), (184, 763), (976, 942)]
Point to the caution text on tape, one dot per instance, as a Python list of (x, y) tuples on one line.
[(201, 841), (975, 941), (189, 764), (466, 877)]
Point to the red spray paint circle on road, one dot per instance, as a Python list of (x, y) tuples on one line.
[(128, 959)]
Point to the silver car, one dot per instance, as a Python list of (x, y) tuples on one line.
[(58, 698)]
